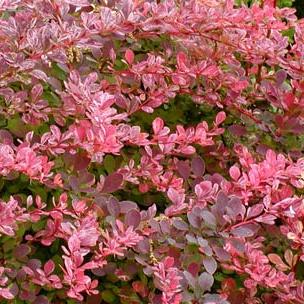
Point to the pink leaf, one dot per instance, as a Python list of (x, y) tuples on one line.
[(5, 293), (276, 259), (158, 125), (220, 117), (49, 267), (129, 56), (181, 61), (168, 262), (235, 173)]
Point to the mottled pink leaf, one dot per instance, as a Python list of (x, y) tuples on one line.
[(79, 3), (255, 210)]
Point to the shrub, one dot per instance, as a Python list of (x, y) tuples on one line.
[(151, 152)]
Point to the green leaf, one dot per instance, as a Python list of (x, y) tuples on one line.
[(38, 226), (219, 277), (9, 245), (109, 164), (289, 33), (55, 246), (52, 98), (14, 188), (21, 230), (108, 296), (57, 259), (39, 191), (58, 72), (16, 126)]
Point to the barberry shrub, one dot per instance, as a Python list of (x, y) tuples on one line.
[(151, 152)]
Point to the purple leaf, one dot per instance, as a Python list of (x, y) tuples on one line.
[(41, 300), (237, 130), (198, 166), (180, 224), (222, 255), (202, 242), (244, 230), (190, 279), (22, 251), (194, 217), (113, 207), (144, 246), (165, 227), (191, 239), (236, 207), (208, 219), (112, 182), (6, 137), (99, 272), (34, 264), (126, 206), (205, 281), (14, 289), (281, 76), (210, 264), (132, 218), (183, 169), (148, 214)]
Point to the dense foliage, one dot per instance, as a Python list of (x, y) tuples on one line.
[(151, 152)]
